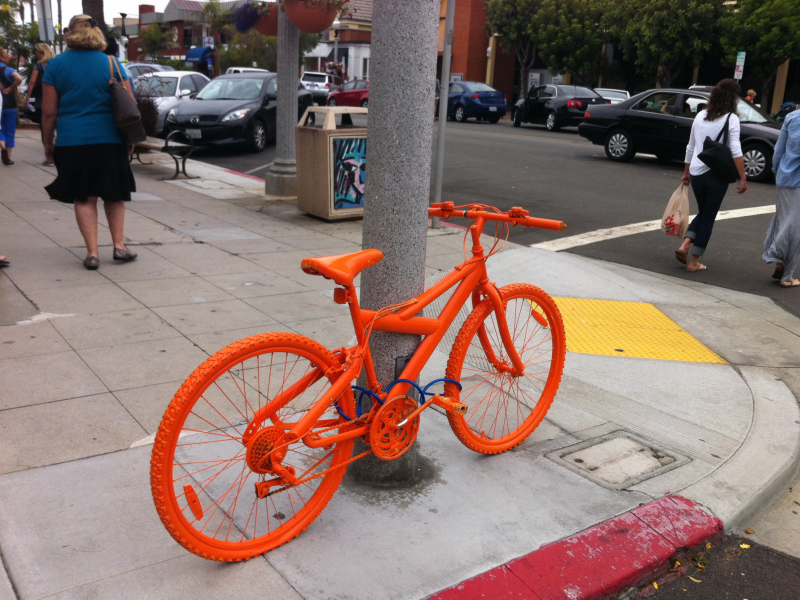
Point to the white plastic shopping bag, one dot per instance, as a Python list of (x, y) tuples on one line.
[(676, 217)]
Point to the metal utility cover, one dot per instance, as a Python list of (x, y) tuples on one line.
[(618, 460)]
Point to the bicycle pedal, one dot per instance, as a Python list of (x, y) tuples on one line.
[(450, 405)]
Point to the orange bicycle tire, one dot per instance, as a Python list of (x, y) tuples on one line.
[(472, 427), (191, 400)]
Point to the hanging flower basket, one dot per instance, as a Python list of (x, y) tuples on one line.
[(313, 16)]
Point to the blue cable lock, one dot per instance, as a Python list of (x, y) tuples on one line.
[(423, 392)]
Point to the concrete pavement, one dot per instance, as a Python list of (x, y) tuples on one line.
[(97, 356)]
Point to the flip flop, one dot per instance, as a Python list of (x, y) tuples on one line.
[(699, 268), (791, 283), (778, 274), (683, 257)]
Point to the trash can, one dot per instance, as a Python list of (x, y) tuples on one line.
[(331, 163)]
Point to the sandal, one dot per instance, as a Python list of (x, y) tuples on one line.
[(778, 274), (91, 263), (683, 257), (4, 156), (699, 268), (124, 255), (791, 282)]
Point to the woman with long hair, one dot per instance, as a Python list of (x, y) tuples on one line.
[(710, 189), (43, 54), (782, 245), (91, 160)]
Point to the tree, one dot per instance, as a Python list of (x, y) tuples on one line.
[(660, 36), (511, 19), (154, 41), (94, 8), (768, 31), (570, 36), (218, 18), (250, 49)]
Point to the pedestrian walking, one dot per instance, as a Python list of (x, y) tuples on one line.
[(3, 259), (782, 245), (10, 80), (710, 188), (43, 54), (751, 96), (90, 157)]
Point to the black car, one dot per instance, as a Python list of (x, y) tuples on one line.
[(555, 105), (660, 121), (233, 109)]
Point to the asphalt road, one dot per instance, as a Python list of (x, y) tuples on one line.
[(559, 175)]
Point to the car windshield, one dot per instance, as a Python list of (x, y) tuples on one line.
[(752, 114), (612, 94), (314, 78), (481, 87), (156, 87), (231, 89)]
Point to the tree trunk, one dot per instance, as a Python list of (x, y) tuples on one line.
[(94, 8), (767, 84), (526, 54)]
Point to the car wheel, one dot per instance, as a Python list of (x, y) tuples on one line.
[(258, 136), (757, 163), (365, 104), (619, 146), (551, 123), (494, 119), (332, 102), (516, 116), (459, 114)]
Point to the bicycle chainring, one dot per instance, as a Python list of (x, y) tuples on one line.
[(390, 440)]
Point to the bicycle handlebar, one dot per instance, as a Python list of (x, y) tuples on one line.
[(515, 216)]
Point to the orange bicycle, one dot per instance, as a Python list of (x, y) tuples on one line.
[(255, 442)]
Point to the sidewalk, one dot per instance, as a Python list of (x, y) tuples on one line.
[(90, 360)]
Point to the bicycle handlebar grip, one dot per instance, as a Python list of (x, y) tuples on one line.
[(545, 224)]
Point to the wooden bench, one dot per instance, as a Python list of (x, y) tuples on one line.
[(179, 152)]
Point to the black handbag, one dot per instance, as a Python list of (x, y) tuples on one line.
[(126, 112), (717, 156)]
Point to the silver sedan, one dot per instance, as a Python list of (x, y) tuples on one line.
[(167, 89)]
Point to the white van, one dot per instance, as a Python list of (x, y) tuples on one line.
[(244, 70)]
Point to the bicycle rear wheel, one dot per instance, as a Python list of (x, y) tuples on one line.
[(209, 451), (503, 409)]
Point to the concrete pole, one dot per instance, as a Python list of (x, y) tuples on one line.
[(444, 97), (281, 179), (404, 43)]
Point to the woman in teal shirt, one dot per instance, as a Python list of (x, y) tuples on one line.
[(782, 245), (91, 160)]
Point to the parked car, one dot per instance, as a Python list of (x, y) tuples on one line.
[(556, 106), (786, 108), (320, 85), (660, 121), (233, 109), (137, 69), (475, 99), (167, 89), (352, 93), (232, 70), (614, 96)]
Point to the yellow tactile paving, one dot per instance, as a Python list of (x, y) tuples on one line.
[(634, 329)]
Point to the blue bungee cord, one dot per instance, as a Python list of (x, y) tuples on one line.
[(422, 391)]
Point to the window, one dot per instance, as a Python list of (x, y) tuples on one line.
[(481, 87), (156, 87), (361, 85), (232, 89), (314, 78), (548, 92), (349, 86), (456, 89), (187, 84), (199, 81), (692, 105), (751, 114), (662, 102), (365, 68), (187, 37), (578, 92), (272, 86), (534, 93)]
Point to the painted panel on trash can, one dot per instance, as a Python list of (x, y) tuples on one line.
[(349, 172)]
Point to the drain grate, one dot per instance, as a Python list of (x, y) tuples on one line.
[(618, 460)]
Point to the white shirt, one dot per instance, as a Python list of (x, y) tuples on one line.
[(702, 129)]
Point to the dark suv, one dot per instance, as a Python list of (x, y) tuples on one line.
[(660, 121)]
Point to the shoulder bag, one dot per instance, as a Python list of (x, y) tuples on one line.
[(717, 156), (126, 112)]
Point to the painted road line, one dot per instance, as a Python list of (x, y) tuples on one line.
[(602, 235), (261, 168)]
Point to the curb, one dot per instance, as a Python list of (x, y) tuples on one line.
[(764, 464), (625, 551)]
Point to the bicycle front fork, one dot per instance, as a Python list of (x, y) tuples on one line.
[(517, 368)]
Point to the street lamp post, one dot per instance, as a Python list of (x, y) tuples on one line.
[(124, 35), (336, 27)]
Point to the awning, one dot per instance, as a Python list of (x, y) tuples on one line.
[(198, 55)]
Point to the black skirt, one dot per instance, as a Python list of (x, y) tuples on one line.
[(92, 170)]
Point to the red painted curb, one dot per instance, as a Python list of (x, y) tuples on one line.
[(601, 560), (244, 175)]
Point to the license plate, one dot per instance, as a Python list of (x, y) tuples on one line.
[(195, 134), (492, 109)]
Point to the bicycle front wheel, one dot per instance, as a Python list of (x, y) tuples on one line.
[(503, 409), (212, 449)]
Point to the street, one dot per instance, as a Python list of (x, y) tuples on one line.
[(560, 175)]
